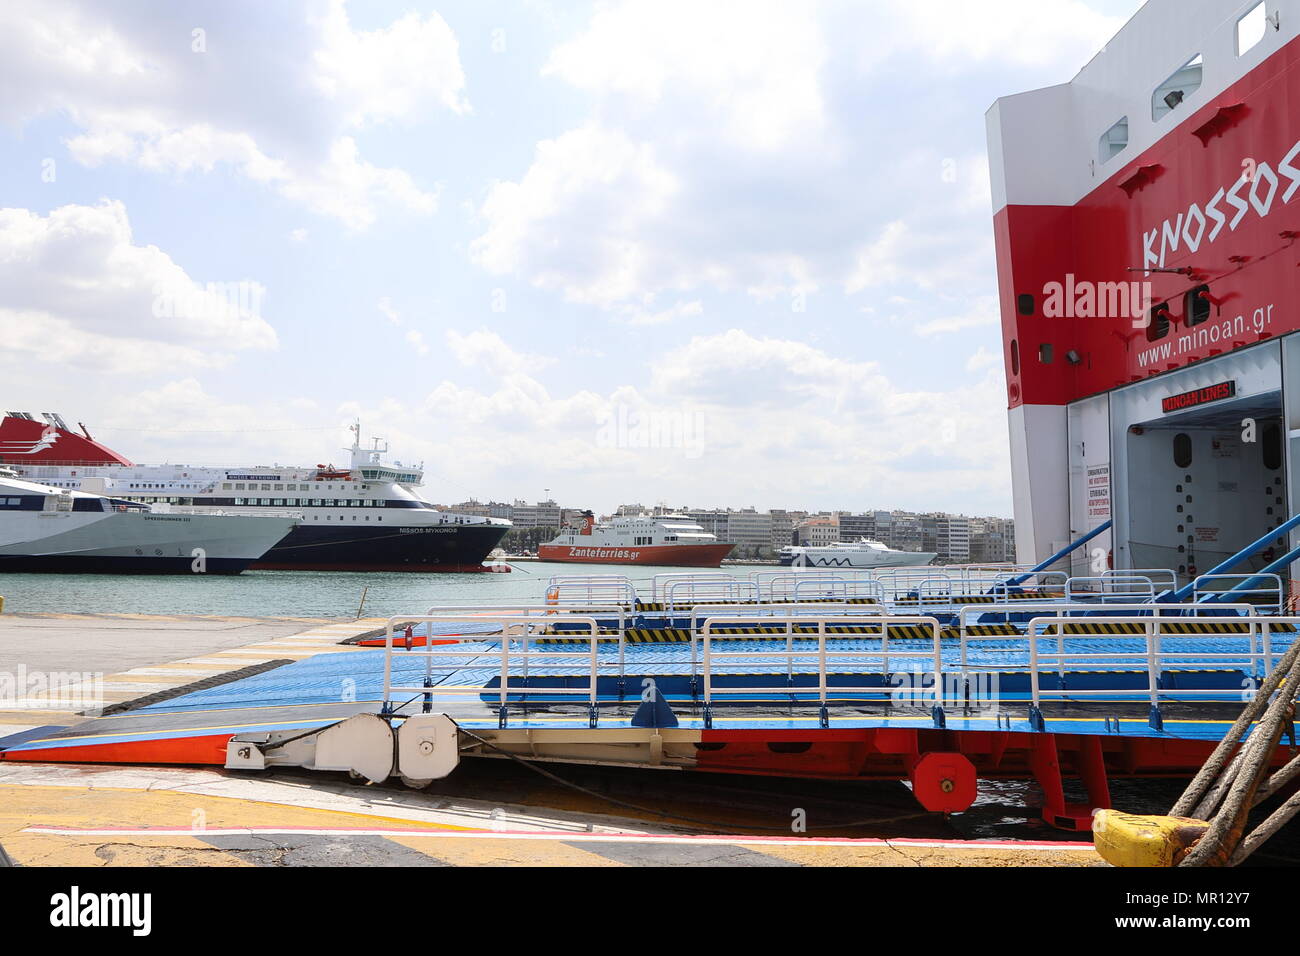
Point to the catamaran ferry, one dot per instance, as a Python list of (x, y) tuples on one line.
[(666, 540), (44, 529), (365, 517), (864, 554)]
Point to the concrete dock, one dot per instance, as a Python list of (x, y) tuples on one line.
[(488, 813)]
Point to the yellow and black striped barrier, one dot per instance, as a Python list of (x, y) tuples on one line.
[(688, 604), (980, 598), (1215, 628), (681, 635)]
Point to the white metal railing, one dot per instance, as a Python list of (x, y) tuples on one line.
[(1039, 580), (660, 583), (581, 590), (1013, 646), (1127, 588), (1049, 652), (937, 585), (682, 594), (547, 613), (814, 660), (821, 585), (517, 645), (1044, 648), (1269, 591), (1163, 578)]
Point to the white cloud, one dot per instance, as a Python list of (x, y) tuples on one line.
[(595, 188), (181, 420), (951, 34), (390, 73), (77, 282), (488, 351), (385, 305), (673, 313), (751, 65), (983, 314), (415, 338), (981, 359), (769, 148), (277, 107), (755, 406)]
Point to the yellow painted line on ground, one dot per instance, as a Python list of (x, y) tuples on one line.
[(504, 851), (482, 847)]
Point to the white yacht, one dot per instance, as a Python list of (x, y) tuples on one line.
[(863, 553), (46, 529)]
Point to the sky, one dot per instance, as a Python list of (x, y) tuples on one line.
[(706, 253)]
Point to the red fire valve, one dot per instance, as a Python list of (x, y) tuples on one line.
[(944, 782)]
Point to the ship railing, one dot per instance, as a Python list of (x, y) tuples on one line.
[(552, 618), (1035, 581), (517, 649), (788, 616), (661, 583), (582, 590), (934, 593), (1255, 653), (817, 585), (680, 595), (1129, 588), (814, 656), (1007, 652), (547, 613), (779, 585), (1162, 578), (163, 508), (899, 582), (1267, 597)]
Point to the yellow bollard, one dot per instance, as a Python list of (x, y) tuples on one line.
[(1126, 839)]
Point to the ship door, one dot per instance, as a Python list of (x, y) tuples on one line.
[(1204, 483)]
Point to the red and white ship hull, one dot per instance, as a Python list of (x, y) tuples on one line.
[(665, 555)]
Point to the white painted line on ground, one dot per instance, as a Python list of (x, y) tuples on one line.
[(709, 839)]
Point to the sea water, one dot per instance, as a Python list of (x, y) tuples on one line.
[(331, 594)]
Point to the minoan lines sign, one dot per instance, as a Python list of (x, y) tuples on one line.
[(1200, 396)]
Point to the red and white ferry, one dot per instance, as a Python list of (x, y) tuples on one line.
[(1146, 217), (667, 540)]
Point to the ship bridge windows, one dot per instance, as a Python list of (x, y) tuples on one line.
[(1169, 95), (1114, 141), (1251, 28)]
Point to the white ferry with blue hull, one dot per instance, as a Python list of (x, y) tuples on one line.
[(864, 554), (367, 516), (54, 530)]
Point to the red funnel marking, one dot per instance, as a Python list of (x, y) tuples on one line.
[(26, 442)]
